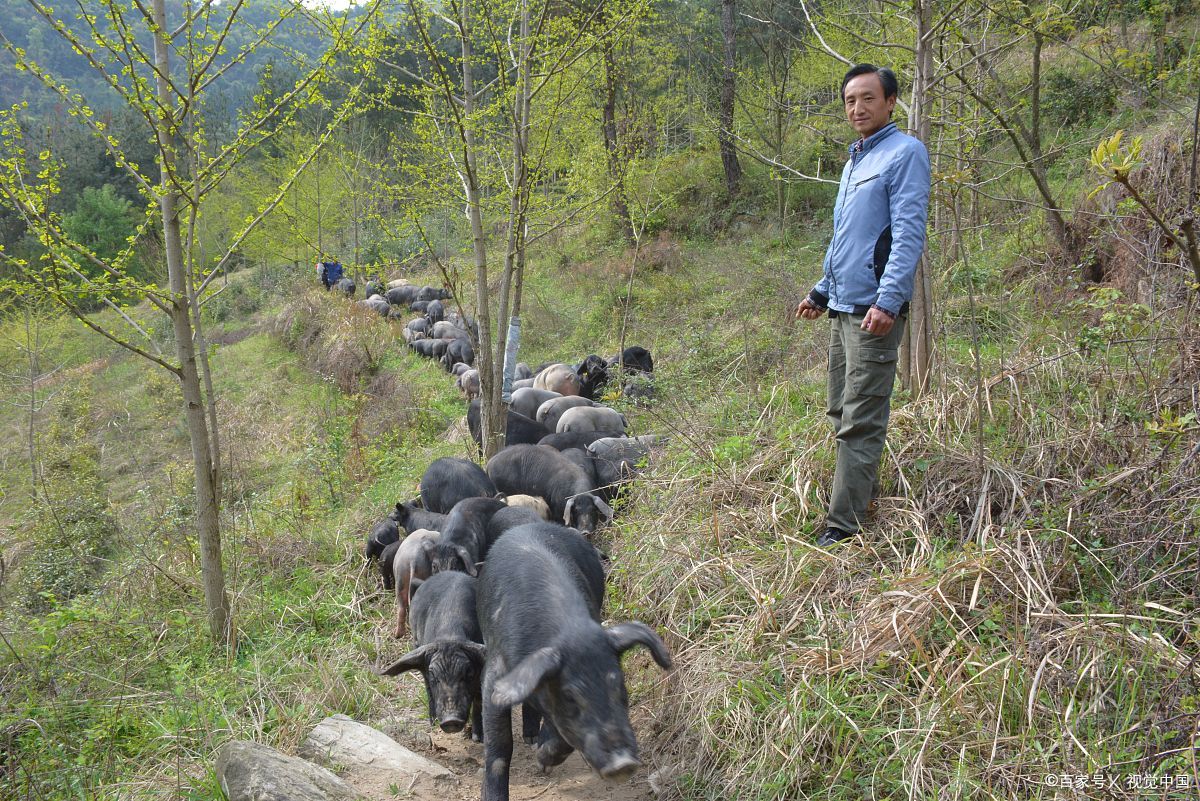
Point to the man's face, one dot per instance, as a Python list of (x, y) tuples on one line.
[(866, 107)]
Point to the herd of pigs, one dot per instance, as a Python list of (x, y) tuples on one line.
[(494, 569)]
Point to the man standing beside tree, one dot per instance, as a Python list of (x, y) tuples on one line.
[(878, 236)]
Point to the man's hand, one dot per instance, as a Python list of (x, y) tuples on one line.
[(808, 310), (877, 322)]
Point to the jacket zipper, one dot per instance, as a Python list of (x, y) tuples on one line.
[(833, 288)]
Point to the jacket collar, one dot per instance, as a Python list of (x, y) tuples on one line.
[(865, 145)]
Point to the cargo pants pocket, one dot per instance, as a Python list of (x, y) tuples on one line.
[(875, 371)]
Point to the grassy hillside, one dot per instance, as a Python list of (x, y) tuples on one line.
[(1024, 606), (974, 644)]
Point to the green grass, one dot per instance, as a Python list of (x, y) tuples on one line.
[(121, 680)]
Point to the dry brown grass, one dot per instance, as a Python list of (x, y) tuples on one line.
[(1023, 604), (339, 340)]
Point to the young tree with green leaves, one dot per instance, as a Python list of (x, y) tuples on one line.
[(491, 79), (164, 66)]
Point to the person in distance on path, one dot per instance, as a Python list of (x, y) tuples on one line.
[(878, 236)]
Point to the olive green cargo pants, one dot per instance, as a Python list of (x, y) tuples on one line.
[(862, 369)]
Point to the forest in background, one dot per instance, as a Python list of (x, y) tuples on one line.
[(658, 172)]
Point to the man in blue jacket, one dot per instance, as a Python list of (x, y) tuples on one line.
[(878, 236)]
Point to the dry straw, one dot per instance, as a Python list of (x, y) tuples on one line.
[(1020, 607)]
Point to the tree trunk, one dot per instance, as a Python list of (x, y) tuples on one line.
[(612, 145), (32, 350), (780, 135), (1054, 218), (320, 229), (210, 395), (514, 255), (1023, 137), (492, 413), (729, 158), (917, 344), (208, 528)]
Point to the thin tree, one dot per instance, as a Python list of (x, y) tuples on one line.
[(917, 342), (25, 395), (162, 68), (474, 122), (725, 133)]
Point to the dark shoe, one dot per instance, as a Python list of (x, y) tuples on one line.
[(833, 536)]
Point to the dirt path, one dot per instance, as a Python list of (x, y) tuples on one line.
[(571, 781)]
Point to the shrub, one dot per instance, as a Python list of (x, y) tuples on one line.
[(1073, 99), (72, 539), (70, 530), (340, 341)]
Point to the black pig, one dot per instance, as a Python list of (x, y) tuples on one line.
[(385, 565), (383, 534), (410, 517), (464, 539), (449, 652), (539, 608), (509, 518), (540, 470), (448, 480)]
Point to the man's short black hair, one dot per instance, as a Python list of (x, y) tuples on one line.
[(891, 87)]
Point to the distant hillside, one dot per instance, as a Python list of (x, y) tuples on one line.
[(296, 40)]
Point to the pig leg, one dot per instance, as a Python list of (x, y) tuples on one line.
[(477, 716), (497, 743), (531, 722), (401, 610), (552, 748)]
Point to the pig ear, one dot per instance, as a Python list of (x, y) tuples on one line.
[(520, 683), (567, 512), (468, 562), (476, 652), (605, 509), (413, 660), (624, 636)]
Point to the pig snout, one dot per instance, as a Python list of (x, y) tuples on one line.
[(452, 725), (613, 757), (620, 767)]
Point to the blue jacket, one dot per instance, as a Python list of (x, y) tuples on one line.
[(878, 225)]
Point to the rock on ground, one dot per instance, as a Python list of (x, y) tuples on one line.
[(371, 756), (255, 772)]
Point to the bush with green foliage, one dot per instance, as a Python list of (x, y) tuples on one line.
[(70, 529), (1073, 99), (103, 221), (72, 539)]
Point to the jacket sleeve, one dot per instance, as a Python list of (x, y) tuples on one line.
[(820, 293), (908, 199)]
